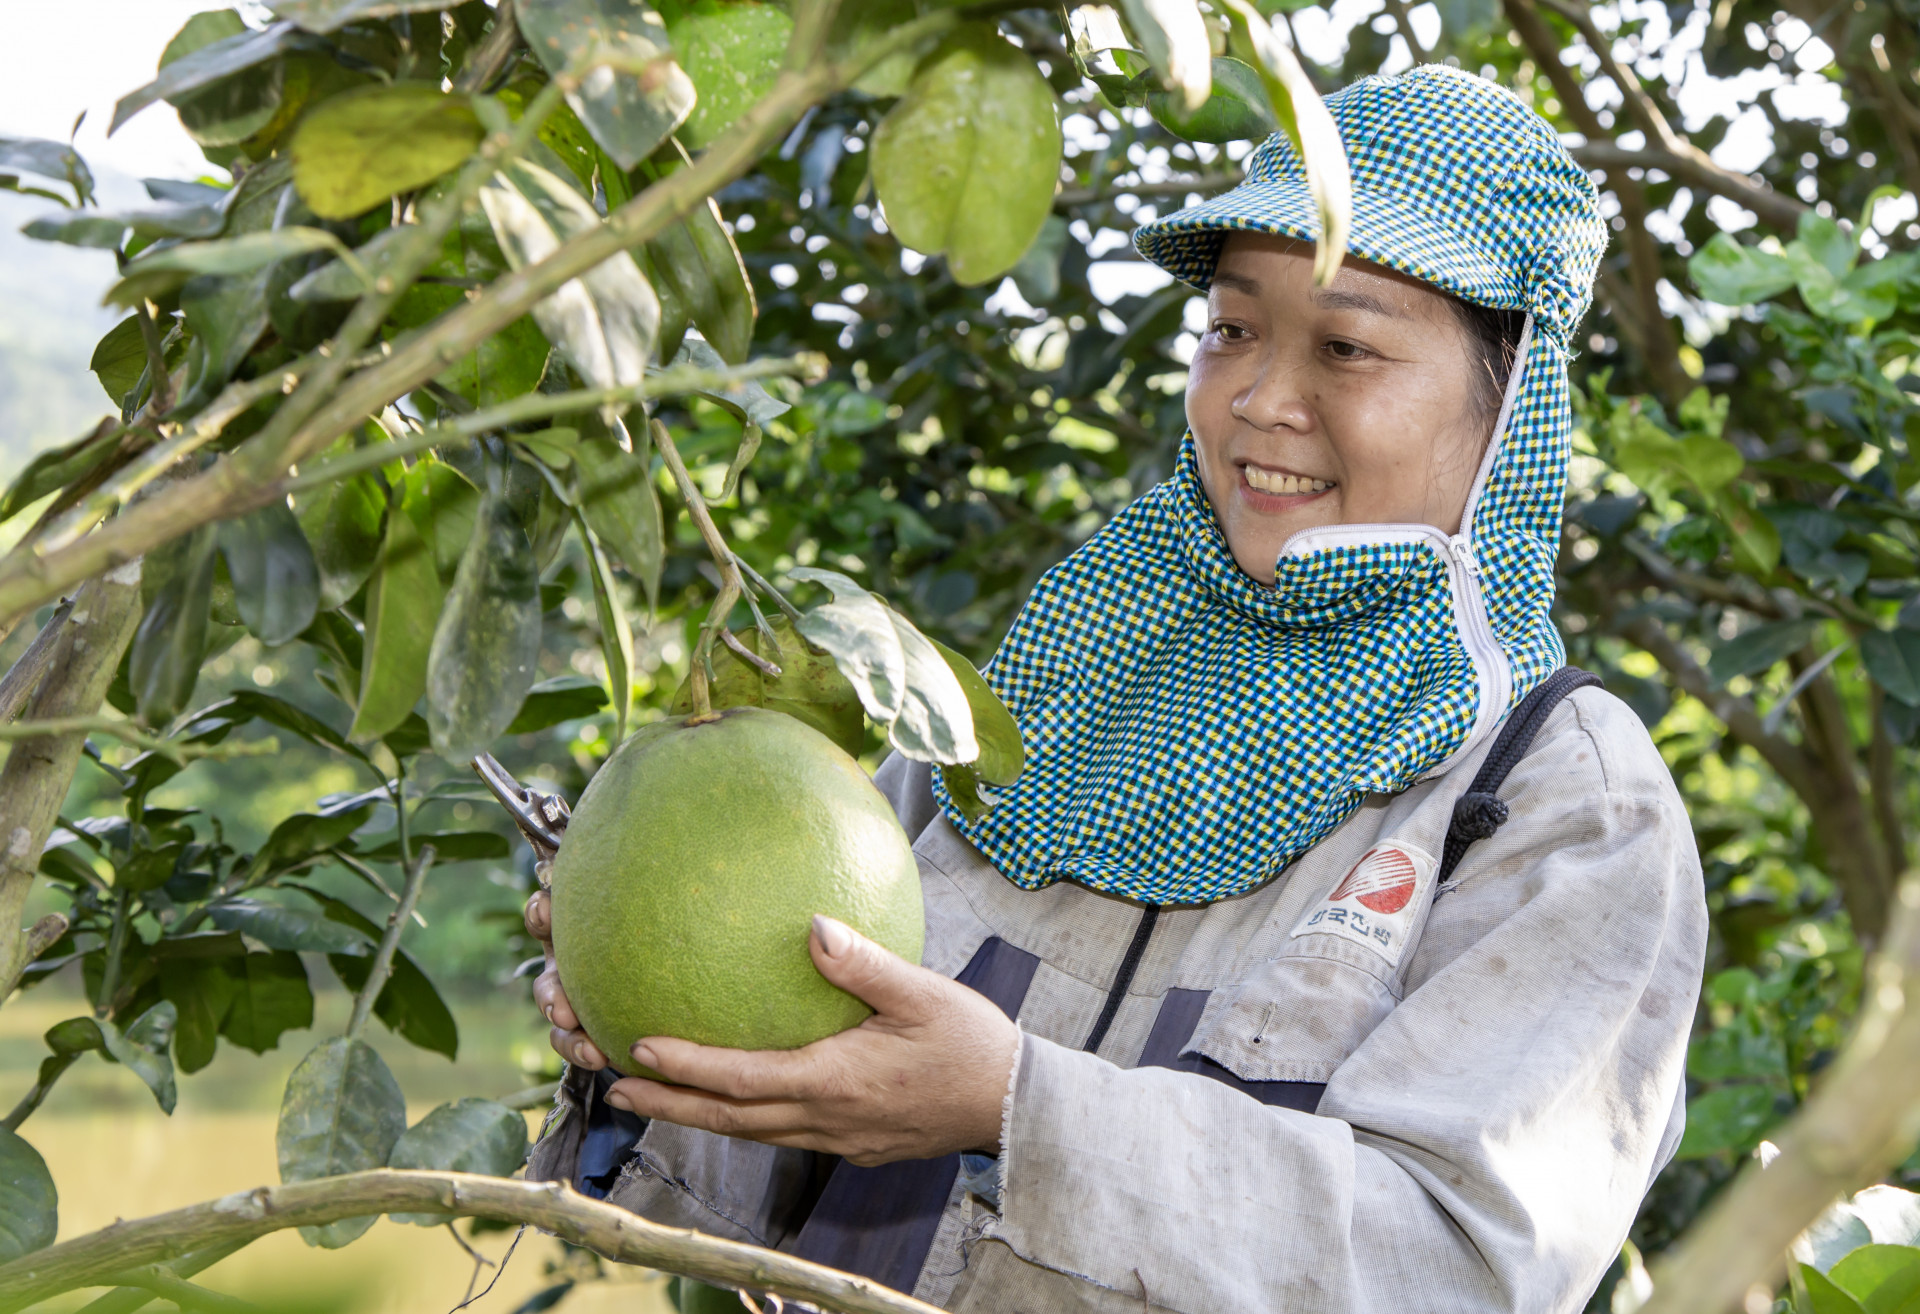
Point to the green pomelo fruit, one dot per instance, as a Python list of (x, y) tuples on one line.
[(686, 886)]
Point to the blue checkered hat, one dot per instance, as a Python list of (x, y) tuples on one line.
[(1191, 732)]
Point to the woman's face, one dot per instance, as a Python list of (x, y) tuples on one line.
[(1349, 404)]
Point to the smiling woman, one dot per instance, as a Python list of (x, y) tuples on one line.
[(1260, 1062)]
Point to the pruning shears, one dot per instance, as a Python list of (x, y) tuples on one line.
[(541, 818)]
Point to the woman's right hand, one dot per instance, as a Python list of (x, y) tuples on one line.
[(567, 1039)]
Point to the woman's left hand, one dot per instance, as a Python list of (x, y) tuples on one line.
[(925, 1076)]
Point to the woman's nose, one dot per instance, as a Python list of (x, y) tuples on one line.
[(1273, 399)]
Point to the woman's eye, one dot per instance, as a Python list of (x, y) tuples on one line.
[(1344, 350), (1228, 332)]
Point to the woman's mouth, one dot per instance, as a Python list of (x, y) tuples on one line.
[(1280, 490)]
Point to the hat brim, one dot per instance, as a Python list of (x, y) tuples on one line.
[(1385, 230)]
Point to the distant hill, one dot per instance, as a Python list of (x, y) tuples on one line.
[(50, 319)]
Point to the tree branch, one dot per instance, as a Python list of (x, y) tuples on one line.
[(1697, 168), (607, 1230), (495, 51), (1859, 1122), (171, 749), (39, 770), (382, 966), (1204, 184), (24, 675)]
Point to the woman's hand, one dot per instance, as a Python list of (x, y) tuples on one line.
[(567, 1039), (926, 1075)]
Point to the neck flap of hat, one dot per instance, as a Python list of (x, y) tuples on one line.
[(1190, 731)]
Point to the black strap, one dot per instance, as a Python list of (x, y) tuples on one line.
[(1479, 812)]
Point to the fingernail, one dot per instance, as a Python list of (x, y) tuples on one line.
[(619, 1101), (835, 938), (645, 1056), (550, 1021)]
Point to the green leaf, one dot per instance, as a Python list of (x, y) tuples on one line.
[(628, 113), (403, 592), (616, 635), (1308, 124), (448, 846), (857, 26), (120, 359), (563, 698), (505, 365), (605, 320), (143, 1049), (207, 65), (164, 661), (332, 15), (271, 996), (1825, 1295), (967, 162), (1754, 650), (1884, 1279), (1735, 275), (1730, 1118), (487, 643), (902, 680), (342, 1113), (750, 402), (106, 229), (1893, 659), (700, 271), (339, 280), (1709, 462), (341, 521), (615, 493), (281, 927), (29, 1204), (300, 836), (1037, 276), (251, 703), (201, 991), (57, 468), (76, 1035), (47, 159), (810, 689), (1756, 543), (160, 272), (466, 1136), (1002, 755), (408, 1005), (235, 107), (1236, 110), (732, 53), (360, 147), (1174, 37), (276, 584)]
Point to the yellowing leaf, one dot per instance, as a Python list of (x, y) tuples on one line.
[(363, 146)]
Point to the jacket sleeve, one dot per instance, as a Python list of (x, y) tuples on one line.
[(1485, 1148)]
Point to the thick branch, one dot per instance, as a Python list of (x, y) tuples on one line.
[(605, 1229), (1205, 184), (24, 675), (39, 771), (1861, 1120), (1698, 169)]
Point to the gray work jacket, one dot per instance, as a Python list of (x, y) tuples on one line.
[(1494, 1075)]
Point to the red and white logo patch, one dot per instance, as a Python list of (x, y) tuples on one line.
[(1375, 902)]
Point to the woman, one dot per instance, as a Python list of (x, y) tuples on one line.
[(1274, 1051)]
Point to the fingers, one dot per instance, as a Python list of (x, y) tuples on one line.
[(538, 916), (551, 999), (775, 1121), (870, 972), (575, 1048), (737, 1074)]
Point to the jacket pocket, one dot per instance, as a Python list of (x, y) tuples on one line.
[(1296, 1017)]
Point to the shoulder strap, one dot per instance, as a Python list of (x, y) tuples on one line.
[(1479, 812)]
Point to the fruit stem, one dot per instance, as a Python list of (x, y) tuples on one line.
[(759, 582), (732, 586)]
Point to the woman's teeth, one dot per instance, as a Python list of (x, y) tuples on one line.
[(1268, 482)]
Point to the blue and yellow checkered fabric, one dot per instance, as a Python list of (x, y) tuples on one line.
[(1189, 731)]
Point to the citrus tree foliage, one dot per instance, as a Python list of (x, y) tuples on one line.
[(390, 399)]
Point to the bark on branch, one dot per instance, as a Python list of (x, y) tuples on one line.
[(605, 1229), (39, 770), (1861, 1120), (1696, 167)]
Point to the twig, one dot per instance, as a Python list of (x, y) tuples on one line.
[(43, 934), (1403, 18), (183, 1293), (51, 1070), (759, 581), (1858, 1123), (512, 1246), (605, 1229), (533, 1097), (161, 394), (490, 58), (26, 672), (1204, 184), (480, 1261), (172, 749), (125, 1300), (731, 584), (382, 966), (371, 877), (746, 654)]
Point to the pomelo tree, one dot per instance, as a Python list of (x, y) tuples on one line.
[(498, 294)]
